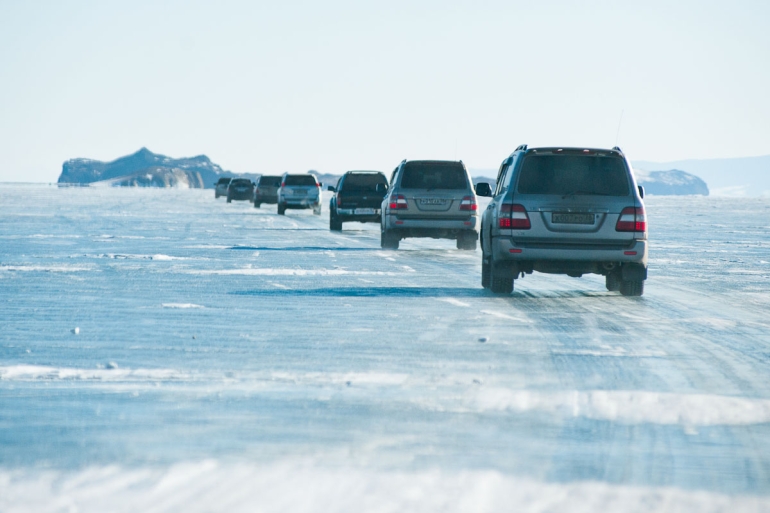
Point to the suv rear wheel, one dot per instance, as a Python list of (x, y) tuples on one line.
[(257, 204), (335, 224), (281, 209), (388, 240), (499, 283), (631, 288), (485, 272)]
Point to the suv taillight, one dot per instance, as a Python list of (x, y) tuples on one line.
[(632, 219), (283, 184), (514, 216), (398, 202), (468, 203), (339, 199)]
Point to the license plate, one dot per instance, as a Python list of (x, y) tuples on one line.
[(365, 211), (299, 192), (570, 218), (432, 201)]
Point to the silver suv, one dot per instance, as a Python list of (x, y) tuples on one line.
[(430, 198), (570, 211), (299, 191)]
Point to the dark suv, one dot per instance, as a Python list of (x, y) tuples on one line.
[(430, 198), (266, 190), (240, 189), (570, 211), (358, 197)]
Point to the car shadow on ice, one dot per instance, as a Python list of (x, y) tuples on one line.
[(466, 292)]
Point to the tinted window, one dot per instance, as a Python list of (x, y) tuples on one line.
[(363, 181), (300, 180), (434, 175), (224, 180), (241, 181), (270, 181), (573, 174)]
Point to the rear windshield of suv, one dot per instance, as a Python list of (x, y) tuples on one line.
[(270, 181), (300, 180), (223, 181), (241, 181), (363, 181), (434, 175), (573, 174)]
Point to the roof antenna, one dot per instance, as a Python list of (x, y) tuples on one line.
[(617, 134)]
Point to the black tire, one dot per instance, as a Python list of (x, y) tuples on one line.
[(485, 272), (497, 283), (229, 199), (388, 240), (335, 224), (317, 211), (612, 282), (632, 288), (257, 204), (281, 209)]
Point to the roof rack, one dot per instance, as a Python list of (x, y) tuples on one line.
[(522, 147)]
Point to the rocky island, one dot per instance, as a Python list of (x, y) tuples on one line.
[(671, 183), (144, 169)]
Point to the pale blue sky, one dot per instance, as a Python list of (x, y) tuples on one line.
[(337, 85)]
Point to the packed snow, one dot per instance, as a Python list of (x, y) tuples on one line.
[(229, 359)]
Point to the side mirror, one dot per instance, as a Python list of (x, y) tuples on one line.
[(331, 188), (641, 191), (483, 189), (381, 187)]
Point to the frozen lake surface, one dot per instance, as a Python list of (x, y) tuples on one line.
[(228, 359)]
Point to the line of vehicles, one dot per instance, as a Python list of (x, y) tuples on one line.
[(553, 210)]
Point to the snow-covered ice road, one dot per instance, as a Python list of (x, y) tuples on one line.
[(229, 359)]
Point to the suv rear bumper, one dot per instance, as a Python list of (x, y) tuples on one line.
[(503, 248), (394, 222), (434, 228), (568, 258), (290, 202), (240, 196)]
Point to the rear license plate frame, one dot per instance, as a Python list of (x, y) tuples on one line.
[(583, 218), (432, 202)]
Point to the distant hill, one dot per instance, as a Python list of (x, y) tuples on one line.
[(672, 182), (746, 176), (157, 177), (193, 172)]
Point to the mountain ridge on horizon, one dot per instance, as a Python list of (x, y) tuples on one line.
[(198, 169)]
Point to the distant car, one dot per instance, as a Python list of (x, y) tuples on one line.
[(357, 197), (299, 192), (570, 211), (220, 188), (430, 198), (266, 190), (240, 189)]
